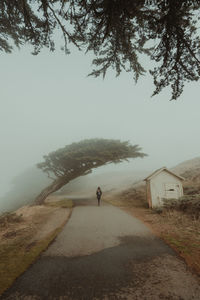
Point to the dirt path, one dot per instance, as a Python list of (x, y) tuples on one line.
[(104, 253)]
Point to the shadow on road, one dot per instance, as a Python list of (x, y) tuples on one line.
[(107, 273), (85, 201)]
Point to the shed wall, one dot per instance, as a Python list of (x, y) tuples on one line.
[(148, 193), (165, 185)]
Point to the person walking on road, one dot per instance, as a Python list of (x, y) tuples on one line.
[(98, 193)]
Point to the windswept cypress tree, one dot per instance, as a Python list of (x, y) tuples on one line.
[(81, 158), (116, 31)]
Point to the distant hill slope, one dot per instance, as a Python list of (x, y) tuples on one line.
[(189, 168)]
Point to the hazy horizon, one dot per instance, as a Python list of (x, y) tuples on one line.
[(47, 102)]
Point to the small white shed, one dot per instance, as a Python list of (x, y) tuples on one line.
[(163, 184)]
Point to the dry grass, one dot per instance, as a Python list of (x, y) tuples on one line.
[(9, 218), (64, 203), (182, 233), (19, 248), (17, 256)]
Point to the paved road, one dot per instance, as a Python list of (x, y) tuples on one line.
[(104, 253)]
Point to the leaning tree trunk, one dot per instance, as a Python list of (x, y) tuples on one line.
[(53, 187)]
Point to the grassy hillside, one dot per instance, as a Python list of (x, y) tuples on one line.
[(192, 164), (190, 170)]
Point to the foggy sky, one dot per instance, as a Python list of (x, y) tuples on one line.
[(47, 101)]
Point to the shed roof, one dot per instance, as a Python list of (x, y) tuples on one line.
[(155, 173)]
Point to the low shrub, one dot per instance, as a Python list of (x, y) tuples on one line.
[(189, 204), (158, 210), (9, 218), (191, 190)]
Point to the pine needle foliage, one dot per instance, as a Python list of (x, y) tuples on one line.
[(116, 31), (79, 159)]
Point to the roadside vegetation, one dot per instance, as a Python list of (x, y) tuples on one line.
[(23, 236), (178, 223), (63, 203)]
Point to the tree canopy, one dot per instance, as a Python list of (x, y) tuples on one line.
[(81, 158), (117, 31)]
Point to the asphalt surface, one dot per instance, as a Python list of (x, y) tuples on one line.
[(103, 253)]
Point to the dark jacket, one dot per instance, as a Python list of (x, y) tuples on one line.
[(98, 193)]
